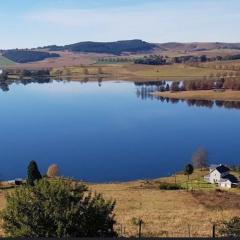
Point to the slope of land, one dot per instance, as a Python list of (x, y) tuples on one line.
[(88, 52), (168, 212), (5, 62), (25, 56), (227, 95)]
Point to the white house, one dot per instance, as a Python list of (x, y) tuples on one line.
[(219, 174)]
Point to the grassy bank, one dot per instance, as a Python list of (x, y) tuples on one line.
[(227, 95), (168, 213)]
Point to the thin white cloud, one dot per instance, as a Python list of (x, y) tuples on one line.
[(163, 21)]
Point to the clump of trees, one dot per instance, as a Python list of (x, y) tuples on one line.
[(58, 209), (169, 186), (34, 73), (206, 84), (151, 60), (190, 59)]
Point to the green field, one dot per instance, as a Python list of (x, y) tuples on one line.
[(5, 62)]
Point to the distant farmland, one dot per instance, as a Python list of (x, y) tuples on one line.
[(5, 62)]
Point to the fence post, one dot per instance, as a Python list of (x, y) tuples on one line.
[(213, 230), (189, 231), (140, 228)]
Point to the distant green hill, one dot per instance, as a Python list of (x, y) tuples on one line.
[(25, 56), (5, 62), (118, 47)]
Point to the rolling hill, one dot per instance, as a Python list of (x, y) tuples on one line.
[(89, 52), (132, 46)]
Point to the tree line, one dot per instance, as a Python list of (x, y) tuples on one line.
[(185, 59)]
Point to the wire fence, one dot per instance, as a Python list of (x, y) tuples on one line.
[(214, 230)]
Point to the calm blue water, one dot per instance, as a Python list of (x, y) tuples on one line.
[(108, 133)]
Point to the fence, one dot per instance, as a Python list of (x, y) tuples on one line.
[(188, 232)]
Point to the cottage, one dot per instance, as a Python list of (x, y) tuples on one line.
[(219, 174), (17, 181)]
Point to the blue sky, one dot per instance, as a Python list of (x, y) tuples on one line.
[(31, 23)]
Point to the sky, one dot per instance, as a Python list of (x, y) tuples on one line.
[(33, 23)]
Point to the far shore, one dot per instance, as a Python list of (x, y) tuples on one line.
[(227, 95)]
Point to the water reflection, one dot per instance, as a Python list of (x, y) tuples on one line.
[(145, 91)]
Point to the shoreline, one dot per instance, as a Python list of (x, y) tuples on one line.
[(208, 95)]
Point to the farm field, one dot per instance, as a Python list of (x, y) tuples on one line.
[(172, 213), (227, 95), (137, 72)]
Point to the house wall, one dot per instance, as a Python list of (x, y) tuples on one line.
[(214, 177), (226, 184)]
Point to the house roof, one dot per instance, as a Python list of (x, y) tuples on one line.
[(231, 178), (222, 169)]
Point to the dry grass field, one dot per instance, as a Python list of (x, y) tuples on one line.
[(170, 213), (227, 95), (2, 205), (176, 213), (137, 72)]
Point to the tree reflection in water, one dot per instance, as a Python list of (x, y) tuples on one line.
[(145, 91)]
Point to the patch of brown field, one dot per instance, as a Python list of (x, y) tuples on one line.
[(165, 213), (66, 59), (138, 72), (218, 199), (2, 205), (227, 95)]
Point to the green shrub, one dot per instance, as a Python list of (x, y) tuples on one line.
[(57, 209), (169, 186)]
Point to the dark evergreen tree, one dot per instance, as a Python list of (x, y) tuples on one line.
[(33, 173)]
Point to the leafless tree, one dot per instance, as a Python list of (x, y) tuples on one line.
[(200, 158), (53, 170)]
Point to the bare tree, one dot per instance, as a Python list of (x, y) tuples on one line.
[(53, 170), (200, 158)]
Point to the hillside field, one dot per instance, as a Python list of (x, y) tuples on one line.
[(172, 213), (138, 72), (5, 62)]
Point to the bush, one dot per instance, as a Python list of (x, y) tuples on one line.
[(169, 186), (231, 228), (57, 209)]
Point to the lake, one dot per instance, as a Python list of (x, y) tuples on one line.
[(109, 131)]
